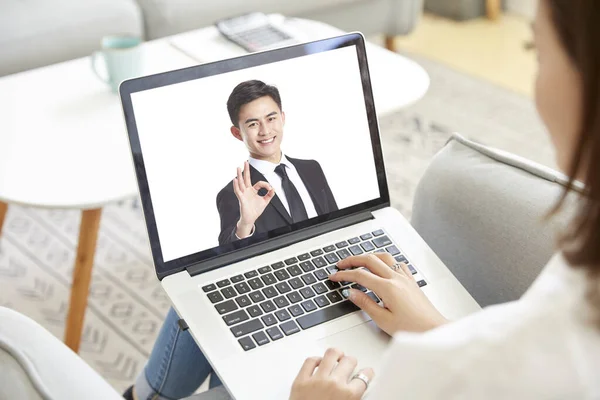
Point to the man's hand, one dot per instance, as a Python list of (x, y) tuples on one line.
[(252, 204)]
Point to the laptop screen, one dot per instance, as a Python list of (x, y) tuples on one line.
[(240, 156)]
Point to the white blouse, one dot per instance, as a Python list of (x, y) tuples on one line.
[(543, 346)]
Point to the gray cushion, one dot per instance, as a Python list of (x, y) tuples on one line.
[(482, 211), (34, 33)]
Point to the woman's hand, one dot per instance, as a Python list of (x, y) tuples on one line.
[(331, 381), (406, 308)]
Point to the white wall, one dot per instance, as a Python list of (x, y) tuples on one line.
[(524, 8)]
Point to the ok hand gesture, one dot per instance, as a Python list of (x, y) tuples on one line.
[(252, 205)]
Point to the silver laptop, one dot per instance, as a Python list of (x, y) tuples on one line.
[(257, 175)]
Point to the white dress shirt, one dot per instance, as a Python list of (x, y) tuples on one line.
[(268, 170), (542, 346)]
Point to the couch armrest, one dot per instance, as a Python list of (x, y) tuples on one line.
[(482, 211)]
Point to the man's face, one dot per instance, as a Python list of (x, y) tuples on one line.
[(261, 129)]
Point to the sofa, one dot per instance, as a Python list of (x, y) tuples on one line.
[(35, 33), (480, 209)]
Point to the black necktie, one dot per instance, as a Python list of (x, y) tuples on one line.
[(297, 210)]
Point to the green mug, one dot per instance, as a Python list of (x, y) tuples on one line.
[(123, 59)]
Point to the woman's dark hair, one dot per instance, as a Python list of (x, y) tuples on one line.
[(247, 92), (578, 25)]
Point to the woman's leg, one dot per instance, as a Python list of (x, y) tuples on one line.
[(176, 367)]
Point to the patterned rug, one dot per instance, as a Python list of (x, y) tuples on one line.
[(126, 303)]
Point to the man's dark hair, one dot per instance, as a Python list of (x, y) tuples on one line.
[(247, 92)]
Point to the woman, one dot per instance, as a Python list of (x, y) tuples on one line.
[(554, 329)]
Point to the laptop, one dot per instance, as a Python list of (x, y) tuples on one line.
[(251, 282)]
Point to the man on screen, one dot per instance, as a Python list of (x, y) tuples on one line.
[(272, 190)]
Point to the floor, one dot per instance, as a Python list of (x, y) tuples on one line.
[(492, 50)]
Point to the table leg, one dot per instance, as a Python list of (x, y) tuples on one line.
[(494, 8), (389, 43), (82, 274), (3, 210)]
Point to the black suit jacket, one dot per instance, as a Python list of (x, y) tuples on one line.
[(275, 214)]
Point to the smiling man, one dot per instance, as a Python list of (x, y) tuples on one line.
[(272, 190)]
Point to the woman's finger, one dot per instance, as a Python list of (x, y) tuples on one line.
[(344, 368), (381, 316), (369, 261), (407, 272), (329, 361), (240, 180), (386, 257), (357, 385), (360, 276), (308, 368), (247, 179)]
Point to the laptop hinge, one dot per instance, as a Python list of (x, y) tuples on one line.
[(282, 241)]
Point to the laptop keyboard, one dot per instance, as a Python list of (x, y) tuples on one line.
[(268, 303)]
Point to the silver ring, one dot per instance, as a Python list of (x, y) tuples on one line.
[(396, 267), (363, 378)]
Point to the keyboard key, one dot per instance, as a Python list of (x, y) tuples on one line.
[(268, 306), (331, 258), (296, 283), (320, 288), (334, 297), (343, 253), (289, 328), (260, 338), (278, 265), (308, 305), (264, 270), (256, 283), (270, 292), (294, 297), (247, 343), (226, 306), (401, 259), (366, 236), (354, 240), (242, 287), (223, 283), (236, 317), (247, 327), (307, 266), (329, 249), (421, 283), (367, 246), (359, 287), (282, 275), (412, 269), (251, 274), (378, 232), (373, 296), (294, 270), (274, 333), (237, 278), (307, 292), (283, 287), (254, 311), (269, 279), (319, 262), (243, 301), (341, 244), (228, 292), (257, 296), (215, 297), (309, 279), (322, 301), (209, 288), (296, 310), (355, 250), (326, 314), (316, 252), (281, 302), (268, 319), (332, 285), (393, 250), (382, 241), (321, 274), (304, 257), (331, 270), (291, 261), (282, 315)]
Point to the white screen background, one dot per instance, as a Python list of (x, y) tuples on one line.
[(190, 154)]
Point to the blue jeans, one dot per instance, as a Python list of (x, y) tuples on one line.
[(176, 367)]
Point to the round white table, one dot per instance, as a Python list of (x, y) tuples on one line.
[(63, 142)]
